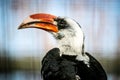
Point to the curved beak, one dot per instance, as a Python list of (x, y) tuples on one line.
[(41, 21)]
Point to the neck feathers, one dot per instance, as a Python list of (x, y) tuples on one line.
[(72, 43)]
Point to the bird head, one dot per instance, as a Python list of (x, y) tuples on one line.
[(66, 31)]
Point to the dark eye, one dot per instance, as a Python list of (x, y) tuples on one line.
[(62, 24)]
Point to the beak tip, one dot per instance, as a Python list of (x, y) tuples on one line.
[(21, 26)]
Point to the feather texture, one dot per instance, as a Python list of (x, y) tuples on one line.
[(66, 67)]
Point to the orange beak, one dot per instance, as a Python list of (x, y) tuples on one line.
[(40, 21)]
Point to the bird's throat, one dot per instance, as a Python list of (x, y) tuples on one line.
[(70, 46)]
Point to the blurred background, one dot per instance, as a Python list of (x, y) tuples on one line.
[(21, 51)]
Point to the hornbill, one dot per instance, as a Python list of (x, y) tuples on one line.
[(68, 60)]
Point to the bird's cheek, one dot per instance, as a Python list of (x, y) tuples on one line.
[(60, 36)]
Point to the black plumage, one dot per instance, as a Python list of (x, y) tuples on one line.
[(55, 67), (94, 71), (65, 67)]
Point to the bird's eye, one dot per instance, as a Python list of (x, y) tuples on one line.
[(62, 24)]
